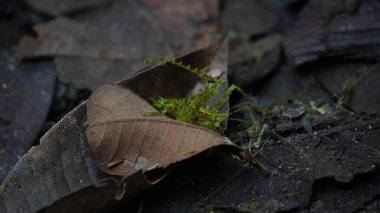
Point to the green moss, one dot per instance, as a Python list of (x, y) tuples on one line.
[(347, 88), (194, 109), (314, 107), (252, 206)]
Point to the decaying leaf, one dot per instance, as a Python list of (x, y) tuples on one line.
[(266, 54), (348, 29), (72, 38), (14, 26), (194, 24), (255, 51), (61, 170), (25, 96), (58, 7), (124, 139), (86, 55), (247, 17), (356, 83), (106, 44)]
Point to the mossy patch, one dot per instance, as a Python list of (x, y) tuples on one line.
[(194, 109)]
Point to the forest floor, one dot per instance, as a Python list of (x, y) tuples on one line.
[(310, 69)]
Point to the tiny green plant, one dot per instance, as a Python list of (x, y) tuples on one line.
[(194, 109), (252, 206), (315, 107)]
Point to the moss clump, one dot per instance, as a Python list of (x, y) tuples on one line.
[(252, 206), (194, 109)]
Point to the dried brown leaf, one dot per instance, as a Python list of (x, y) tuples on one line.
[(186, 24), (124, 140), (76, 39), (87, 56), (106, 44), (247, 17)]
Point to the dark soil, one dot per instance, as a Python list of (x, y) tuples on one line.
[(333, 169)]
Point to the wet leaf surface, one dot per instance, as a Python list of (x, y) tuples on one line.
[(25, 97), (106, 44)]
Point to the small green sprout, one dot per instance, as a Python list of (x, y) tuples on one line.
[(322, 109), (345, 94), (252, 206), (347, 88), (194, 109), (314, 106)]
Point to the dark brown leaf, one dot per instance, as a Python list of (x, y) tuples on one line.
[(289, 84), (248, 65), (247, 17), (25, 96), (340, 32), (186, 24), (13, 23), (75, 39), (110, 43), (86, 55), (363, 84)]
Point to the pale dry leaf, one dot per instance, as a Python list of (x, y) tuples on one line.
[(123, 139)]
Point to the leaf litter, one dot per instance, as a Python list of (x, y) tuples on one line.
[(106, 44), (104, 163), (120, 134), (25, 97), (58, 7), (344, 153)]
